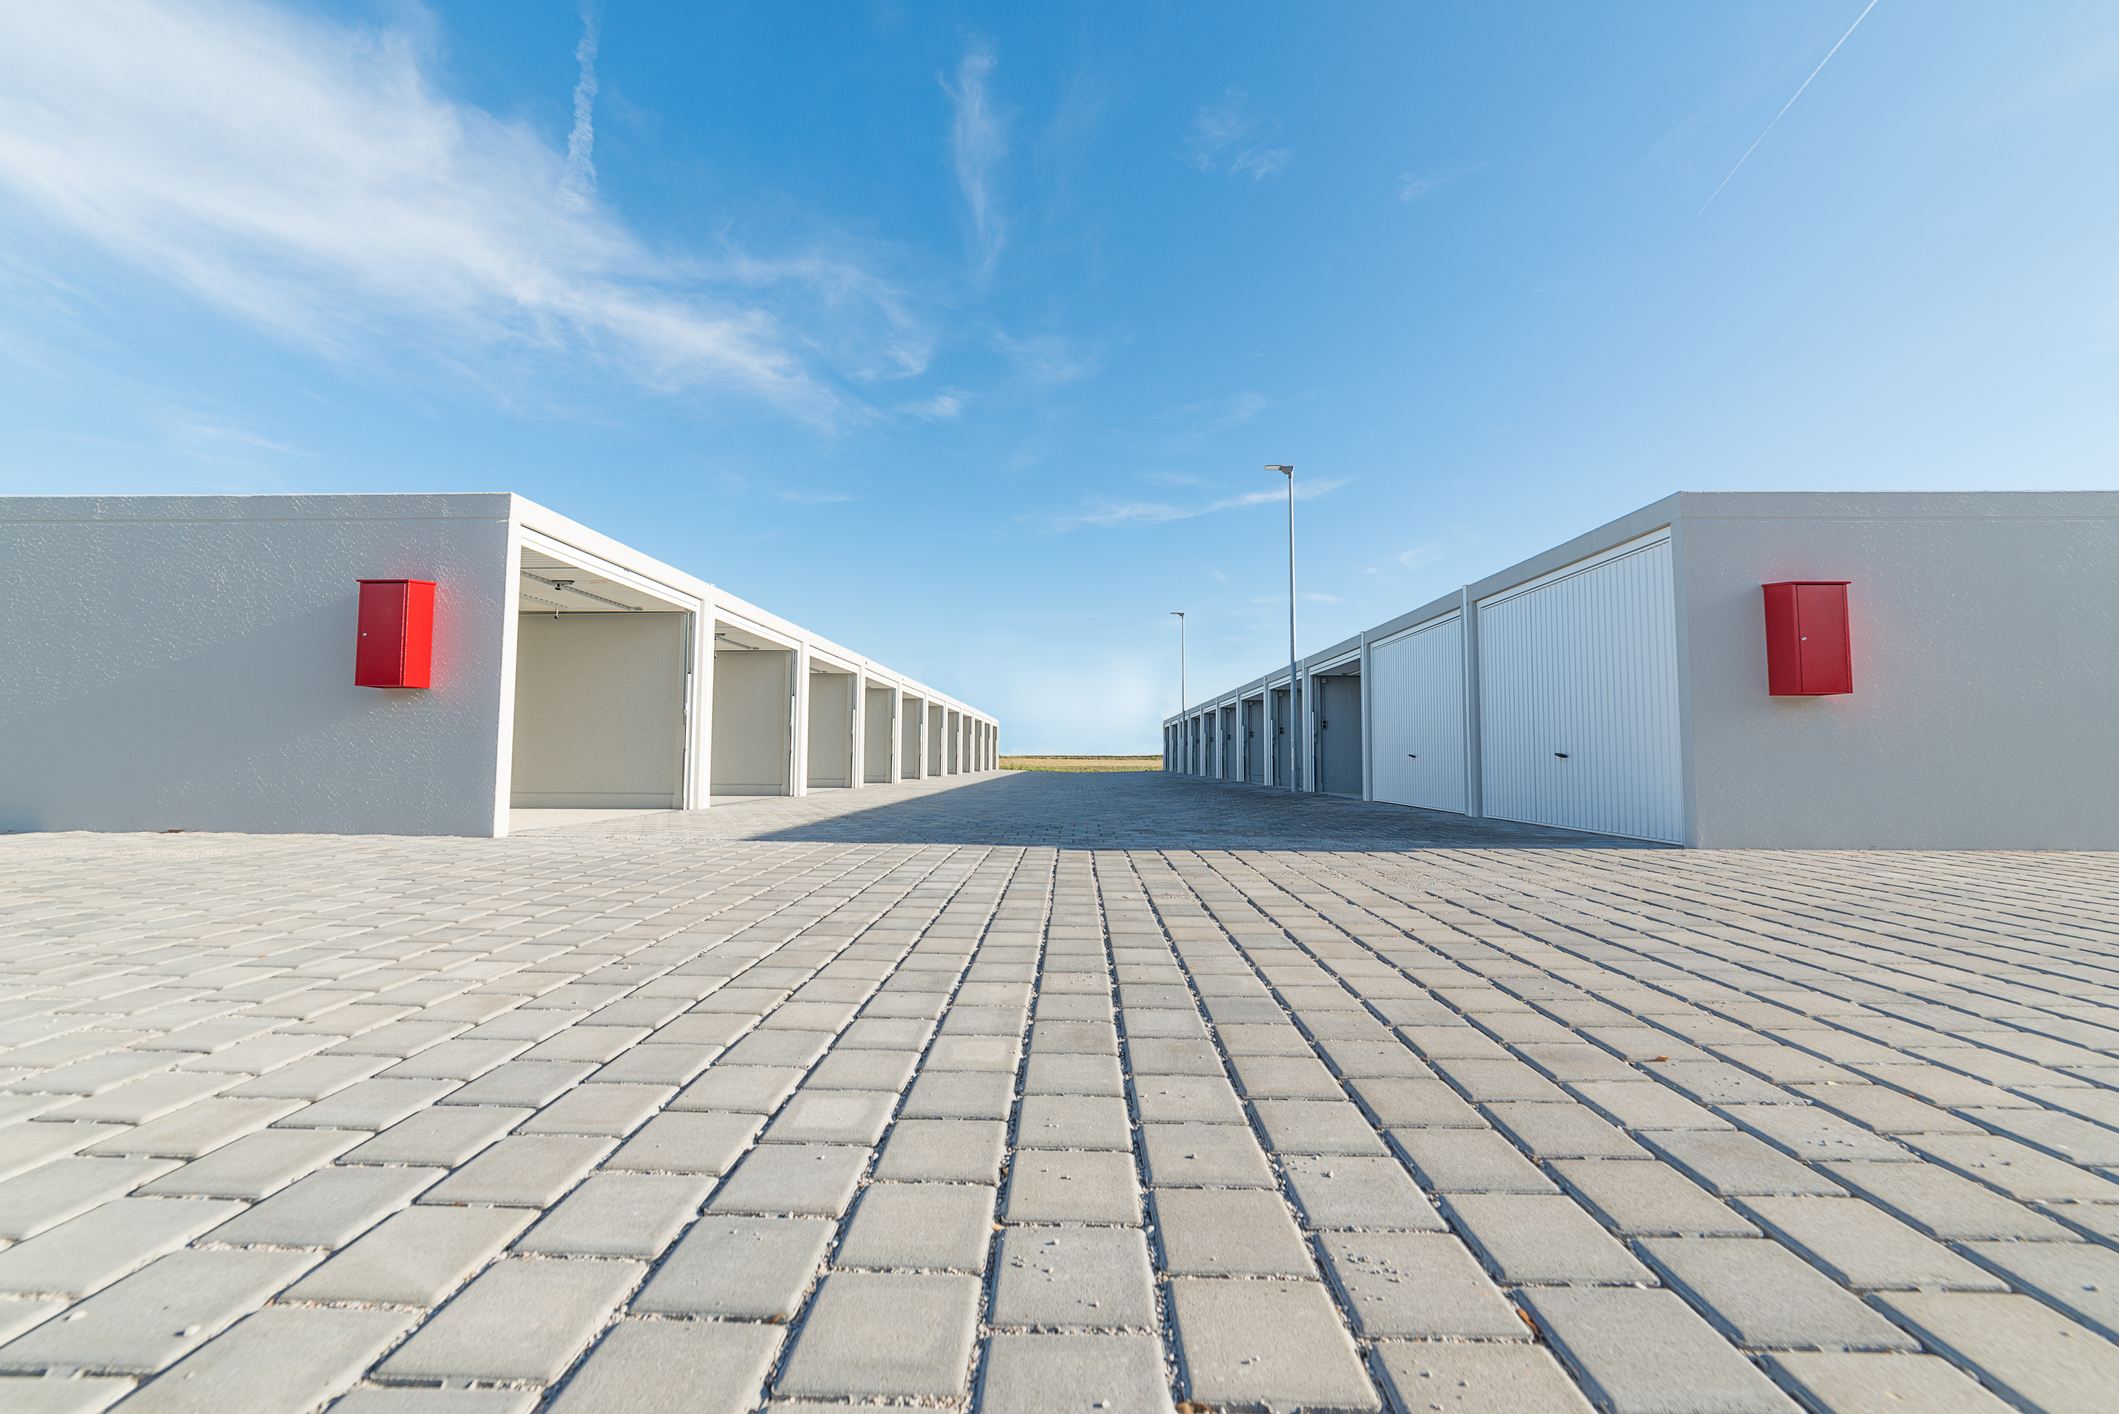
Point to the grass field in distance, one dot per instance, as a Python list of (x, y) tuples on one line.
[(1081, 763)]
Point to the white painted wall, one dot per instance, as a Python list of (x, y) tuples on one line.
[(599, 711), (876, 724), (186, 662), (1985, 710), (830, 754)]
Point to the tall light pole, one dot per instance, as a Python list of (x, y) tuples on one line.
[(1294, 712), (1184, 727)]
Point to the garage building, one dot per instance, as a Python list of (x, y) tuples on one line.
[(191, 662), (1735, 670)]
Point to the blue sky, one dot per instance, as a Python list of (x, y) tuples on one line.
[(960, 333)]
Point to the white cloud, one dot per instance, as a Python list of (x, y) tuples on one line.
[(1049, 359), (1113, 514), (978, 140), (1418, 186), (944, 406), (1228, 137), (313, 178)]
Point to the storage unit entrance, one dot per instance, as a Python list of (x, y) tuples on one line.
[(601, 673), (876, 723), (830, 742), (1339, 729), (1416, 702), (754, 703)]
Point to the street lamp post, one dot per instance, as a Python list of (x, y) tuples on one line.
[(1183, 727), (1294, 712)]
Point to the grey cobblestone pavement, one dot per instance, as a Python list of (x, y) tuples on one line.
[(1053, 1093)]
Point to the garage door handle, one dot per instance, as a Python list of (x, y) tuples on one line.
[(1411, 756), (1561, 754)]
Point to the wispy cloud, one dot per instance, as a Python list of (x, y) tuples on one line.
[(1418, 186), (577, 188), (942, 407), (1109, 514), (978, 140), (1228, 137), (1049, 359), (313, 178)]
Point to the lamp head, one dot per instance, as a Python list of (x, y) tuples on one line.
[(1283, 470)]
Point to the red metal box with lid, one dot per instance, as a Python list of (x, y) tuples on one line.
[(1809, 651), (396, 643)]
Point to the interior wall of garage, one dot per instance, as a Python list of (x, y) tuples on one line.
[(935, 740), (1985, 632), (1338, 734), (830, 756), (912, 736), (876, 725), (599, 711), (753, 706), (186, 662)]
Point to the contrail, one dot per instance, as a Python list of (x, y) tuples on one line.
[(1791, 102)]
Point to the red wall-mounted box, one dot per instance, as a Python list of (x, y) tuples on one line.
[(1809, 652), (396, 643)]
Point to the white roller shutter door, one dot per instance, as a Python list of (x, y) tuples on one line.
[(1578, 698), (1416, 698)]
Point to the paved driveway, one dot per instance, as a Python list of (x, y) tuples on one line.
[(1053, 1093)]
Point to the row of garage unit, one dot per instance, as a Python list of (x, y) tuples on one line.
[(197, 670), (1620, 684)]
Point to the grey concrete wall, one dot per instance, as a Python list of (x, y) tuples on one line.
[(599, 711), (186, 662), (1986, 672), (751, 707)]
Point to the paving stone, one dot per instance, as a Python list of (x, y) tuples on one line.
[(945, 1151), (655, 1065), (1566, 1061), (1763, 1297), (64, 1188), (1640, 1351), (1649, 1200), (1835, 1382), (1074, 1074), (1165, 1024), (1174, 1099), (2079, 1278), (159, 1314), (2062, 1135), (1055, 1186), (1886, 1111), (255, 1165), (1421, 1104), (876, 1334), (1149, 1055), (705, 1028), (1642, 1105), (832, 1117), (1944, 1205), (1562, 1132), (754, 1269), (805, 1180), (1349, 1191), (982, 1022), (978, 1053), (89, 1252), (523, 1084), (89, 1395), (1468, 1161), (1073, 1122), (1074, 1277), (520, 1320), (454, 1060), (444, 1136), (414, 1258), (1417, 1286), (745, 1089), (24, 1146), (280, 1358), (1814, 1136), (1074, 1374), (598, 1109), (1733, 1164), (2032, 1356), (1477, 1379), (2016, 1169), (705, 1143), (1211, 1155), (1533, 1238), (138, 1101), (329, 1208), (528, 1171), (370, 1105), (1865, 1247), (1228, 1232), (594, 1044), (1316, 1127), (1284, 1078), (960, 1095), (1271, 1343), (20, 1315), (697, 1367), (844, 1069), (938, 1226), (619, 1215), (195, 1130)]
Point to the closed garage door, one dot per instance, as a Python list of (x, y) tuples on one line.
[(1578, 694), (1416, 691)]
